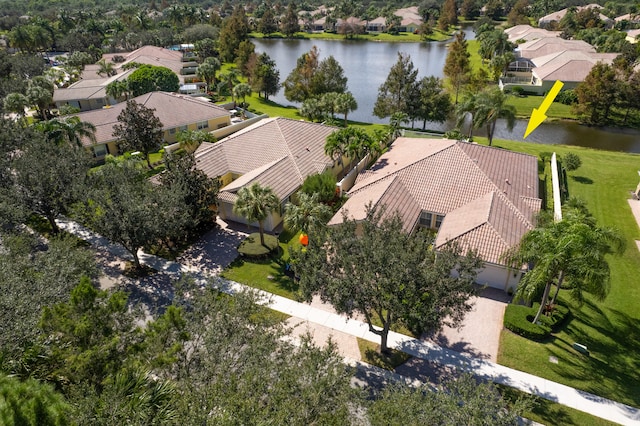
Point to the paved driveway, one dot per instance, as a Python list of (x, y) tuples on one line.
[(216, 249), (479, 335)]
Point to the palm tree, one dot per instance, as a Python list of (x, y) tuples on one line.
[(345, 103), (570, 251), (485, 108), (353, 142), (255, 203), (207, 71), (16, 103), (69, 130), (242, 90), (105, 67), (117, 89), (309, 214)]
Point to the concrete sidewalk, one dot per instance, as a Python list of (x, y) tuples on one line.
[(556, 392)]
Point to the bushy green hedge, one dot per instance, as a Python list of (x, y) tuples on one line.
[(517, 318)]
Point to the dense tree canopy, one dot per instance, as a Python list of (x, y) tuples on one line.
[(139, 129), (375, 269), (149, 78)]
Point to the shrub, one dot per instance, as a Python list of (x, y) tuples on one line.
[(567, 97), (517, 91), (323, 184), (517, 318), (571, 161)]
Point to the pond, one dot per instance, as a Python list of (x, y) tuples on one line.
[(366, 65)]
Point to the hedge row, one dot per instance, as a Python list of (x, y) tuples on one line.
[(517, 318)]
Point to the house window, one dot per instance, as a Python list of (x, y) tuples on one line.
[(99, 151), (425, 219), (203, 125), (172, 131), (439, 219)]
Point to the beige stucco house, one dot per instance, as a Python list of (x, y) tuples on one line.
[(176, 112), (524, 33), (483, 198), (556, 17), (277, 152)]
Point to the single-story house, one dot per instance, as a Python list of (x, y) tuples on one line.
[(377, 25), (526, 32), (277, 152), (482, 198), (545, 46), (556, 17), (351, 24), (537, 75), (89, 92), (176, 113), (632, 18)]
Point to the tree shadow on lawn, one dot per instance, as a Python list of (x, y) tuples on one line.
[(583, 180), (271, 269), (612, 338)]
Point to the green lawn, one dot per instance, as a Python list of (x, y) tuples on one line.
[(267, 274), (525, 104), (610, 329)]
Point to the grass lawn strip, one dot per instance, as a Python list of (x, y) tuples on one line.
[(610, 329)]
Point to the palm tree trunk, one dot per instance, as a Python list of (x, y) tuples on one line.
[(560, 279), (543, 303), (261, 227)]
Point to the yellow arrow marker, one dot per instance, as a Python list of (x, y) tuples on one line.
[(538, 114)]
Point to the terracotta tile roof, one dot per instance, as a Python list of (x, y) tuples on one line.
[(568, 65), (276, 152), (172, 109), (487, 195), (557, 16), (88, 88), (545, 46)]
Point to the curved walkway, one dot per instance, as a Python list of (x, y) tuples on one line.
[(556, 392)]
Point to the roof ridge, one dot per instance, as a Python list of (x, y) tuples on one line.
[(288, 148), (410, 164), (515, 209)]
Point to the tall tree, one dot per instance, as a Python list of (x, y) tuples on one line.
[(267, 24), (123, 206), (448, 15), (234, 30), (569, 253), (265, 77), (329, 77), (255, 203), (457, 67), (597, 94), (289, 24), (139, 129), (400, 86), (434, 102), (375, 269), (298, 85), (46, 190)]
